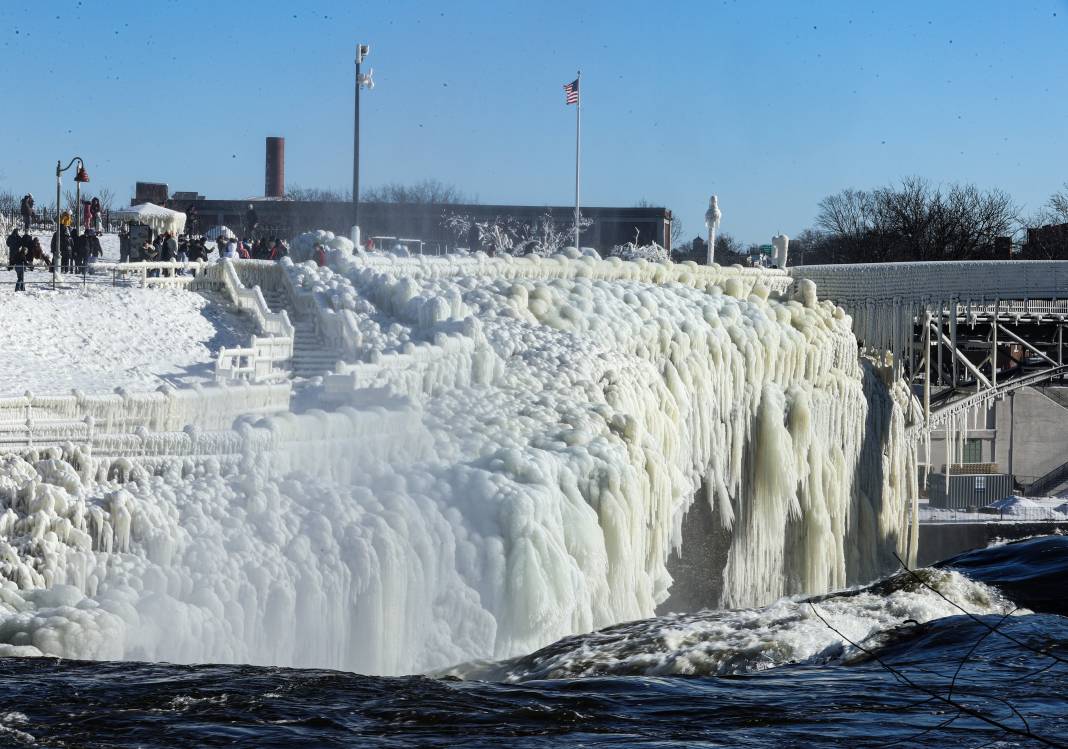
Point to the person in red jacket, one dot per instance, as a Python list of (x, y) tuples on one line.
[(320, 255)]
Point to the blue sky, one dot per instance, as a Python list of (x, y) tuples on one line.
[(772, 105)]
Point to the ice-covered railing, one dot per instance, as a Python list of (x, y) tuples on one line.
[(160, 274), (735, 279), (266, 356), (34, 420), (886, 299)]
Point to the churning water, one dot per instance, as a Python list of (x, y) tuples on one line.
[(922, 673)]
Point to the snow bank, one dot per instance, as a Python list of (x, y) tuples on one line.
[(105, 337), (518, 472)]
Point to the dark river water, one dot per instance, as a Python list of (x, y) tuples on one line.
[(954, 681)]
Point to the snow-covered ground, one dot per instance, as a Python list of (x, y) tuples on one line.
[(102, 337), (1014, 509)]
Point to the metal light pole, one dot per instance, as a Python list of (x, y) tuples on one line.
[(80, 176), (362, 81)]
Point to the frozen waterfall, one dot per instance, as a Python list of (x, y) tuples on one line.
[(517, 453)]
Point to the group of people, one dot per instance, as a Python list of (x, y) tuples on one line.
[(74, 249), (184, 248), (22, 251), (252, 249), (92, 215)]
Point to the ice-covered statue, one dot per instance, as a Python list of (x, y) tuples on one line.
[(781, 243), (712, 216)]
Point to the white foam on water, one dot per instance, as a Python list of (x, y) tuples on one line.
[(789, 631)]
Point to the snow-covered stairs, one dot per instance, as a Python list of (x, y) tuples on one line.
[(312, 357)]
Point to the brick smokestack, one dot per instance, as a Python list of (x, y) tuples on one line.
[(275, 178)]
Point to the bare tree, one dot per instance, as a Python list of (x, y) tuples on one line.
[(426, 191), (676, 230), (107, 198), (318, 194), (914, 220), (1047, 229), (70, 201)]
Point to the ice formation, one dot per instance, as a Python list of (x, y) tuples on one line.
[(653, 253), (521, 441)]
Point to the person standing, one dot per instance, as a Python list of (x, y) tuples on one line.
[(124, 244), (17, 247), (81, 251), (66, 250), (168, 251), (87, 214), (26, 208), (93, 242), (183, 252), (94, 213), (14, 241)]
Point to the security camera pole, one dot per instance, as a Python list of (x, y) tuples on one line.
[(362, 81)]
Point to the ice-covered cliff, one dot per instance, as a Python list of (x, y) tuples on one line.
[(522, 442)]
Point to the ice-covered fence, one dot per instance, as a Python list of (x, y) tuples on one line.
[(885, 299), (268, 353), (76, 417), (449, 362), (194, 275), (532, 267), (336, 445)]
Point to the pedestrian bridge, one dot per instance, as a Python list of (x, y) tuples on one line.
[(963, 333)]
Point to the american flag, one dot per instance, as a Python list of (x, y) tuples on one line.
[(571, 91)]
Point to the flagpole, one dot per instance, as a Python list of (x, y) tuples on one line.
[(578, 153)]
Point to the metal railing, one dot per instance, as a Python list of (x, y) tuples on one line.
[(934, 516), (1050, 480)]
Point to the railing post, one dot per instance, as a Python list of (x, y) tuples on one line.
[(994, 345), (926, 367)]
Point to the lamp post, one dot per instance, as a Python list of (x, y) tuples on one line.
[(362, 81), (80, 176)]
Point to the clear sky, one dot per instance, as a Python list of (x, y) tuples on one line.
[(772, 105)]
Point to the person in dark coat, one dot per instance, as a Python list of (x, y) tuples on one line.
[(17, 248), (80, 253), (61, 248), (124, 244), (93, 241), (26, 208), (168, 251)]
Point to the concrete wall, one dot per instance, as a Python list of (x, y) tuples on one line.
[(1025, 434), (1032, 433), (940, 541)]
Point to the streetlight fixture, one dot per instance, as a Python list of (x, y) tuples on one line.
[(362, 81), (80, 176)]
